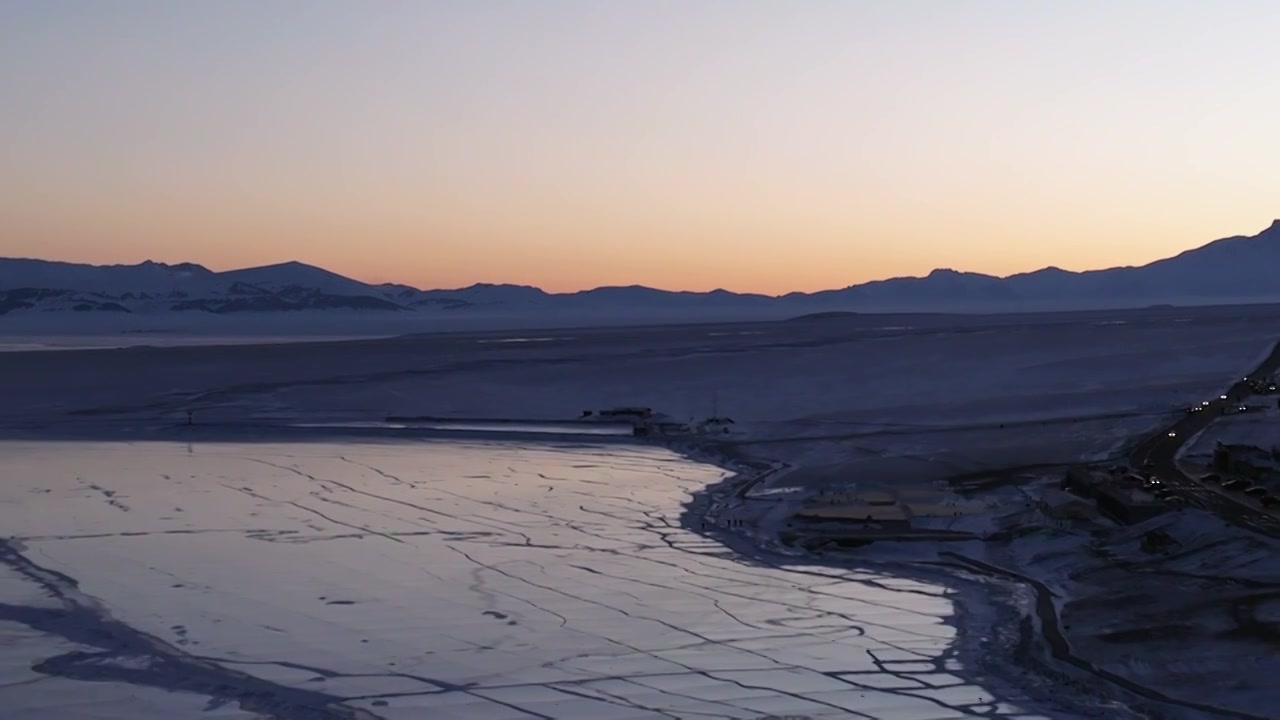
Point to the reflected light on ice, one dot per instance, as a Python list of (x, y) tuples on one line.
[(477, 580)]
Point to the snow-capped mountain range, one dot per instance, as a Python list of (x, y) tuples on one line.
[(1231, 270)]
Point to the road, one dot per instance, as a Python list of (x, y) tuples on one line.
[(1158, 454)]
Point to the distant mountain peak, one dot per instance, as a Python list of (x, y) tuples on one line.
[(1231, 270), (184, 267), (288, 265), (499, 286)]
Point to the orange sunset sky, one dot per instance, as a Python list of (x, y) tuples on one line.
[(756, 146)]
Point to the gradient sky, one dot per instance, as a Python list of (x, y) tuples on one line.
[(685, 144)]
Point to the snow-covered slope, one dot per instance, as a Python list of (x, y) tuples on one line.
[(149, 278), (150, 287), (1231, 270), (296, 275)]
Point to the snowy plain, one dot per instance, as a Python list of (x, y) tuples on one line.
[(290, 582)]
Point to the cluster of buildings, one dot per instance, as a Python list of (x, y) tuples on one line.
[(1124, 500), (647, 423), (882, 511), (1246, 460), (1263, 386)]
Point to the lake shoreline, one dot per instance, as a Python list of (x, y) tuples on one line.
[(985, 607)]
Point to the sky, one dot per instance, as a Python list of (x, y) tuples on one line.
[(683, 144)]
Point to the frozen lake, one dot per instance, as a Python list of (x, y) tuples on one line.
[(353, 568), (436, 580)]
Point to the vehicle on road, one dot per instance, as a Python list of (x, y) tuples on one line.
[(1255, 491), (1173, 433), (1212, 478), (1269, 501), (1236, 484)]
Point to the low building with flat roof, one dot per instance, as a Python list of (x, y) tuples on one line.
[(1129, 505), (886, 517), (945, 509), (853, 497), (1082, 481), (1062, 505)]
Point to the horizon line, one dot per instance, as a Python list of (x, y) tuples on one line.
[(1275, 224)]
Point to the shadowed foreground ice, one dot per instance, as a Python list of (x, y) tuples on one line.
[(435, 579)]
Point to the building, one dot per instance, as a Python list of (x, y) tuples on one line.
[(1082, 481), (627, 413), (854, 497), (1061, 505), (1129, 505), (944, 509), (862, 516), (1246, 461), (1221, 458)]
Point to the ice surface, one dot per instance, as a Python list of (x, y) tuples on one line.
[(30, 695), (338, 575), (473, 580)]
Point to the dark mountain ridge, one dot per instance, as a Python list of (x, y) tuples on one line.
[(1231, 270)]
